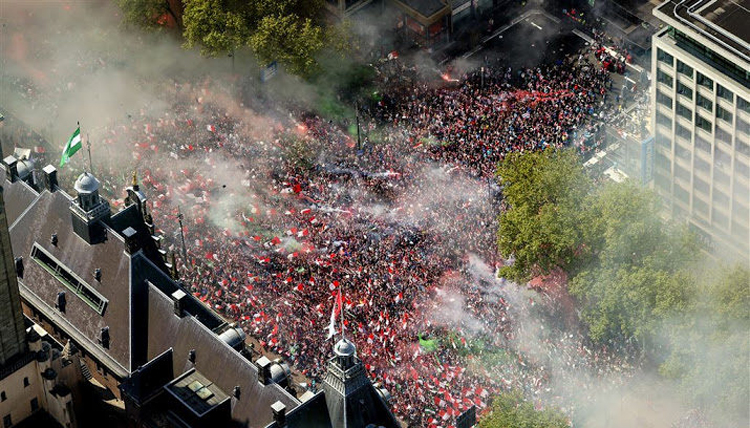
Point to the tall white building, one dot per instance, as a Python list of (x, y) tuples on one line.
[(701, 119)]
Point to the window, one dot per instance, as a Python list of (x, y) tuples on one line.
[(743, 125), (684, 111), (723, 114), (683, 132), (720, 178), (743, 148), (704, 102), (701, 165), (660, 181), (700, 207), (34, 404), (662, 162), (720, 198), (3, 397), (705, 81), (682, 152), (681, 173), (700, 186), (684, 89), (7, 421), (662, 140), (722, 158), (702, 144), (664, 78), (725, 93), (681, 194), (684, 69), (742, 169), (743, 105), (663, 119), (663, 99), (702, 123), (723, 135), (664, 57), (719, 218), (69, 279), (741, 193), (25, 382), (740, 212), (739, 229)]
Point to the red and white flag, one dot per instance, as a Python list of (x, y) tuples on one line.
[(334, 315)]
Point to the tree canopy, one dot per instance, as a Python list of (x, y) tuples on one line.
[(287, 31), (708, 346), (625, 261), (510, 410), (148, 13), (637, 274), (634, 275), (545, 223), (290, 40)]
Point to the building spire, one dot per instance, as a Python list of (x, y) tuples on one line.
[(135, 180)]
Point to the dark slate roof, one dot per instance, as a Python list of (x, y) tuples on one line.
[(139, 314), (147, 380), (22, 196), (50, 214), (215, 359), (313, 413)]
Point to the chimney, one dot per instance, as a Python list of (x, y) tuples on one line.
[(19, 267), (53, 239), (264, 370), (236, 392), (191, 356), (49, 178), (178, 299), (131, 241), (98, 275), (279, 413), (104, 340), (11, 168), (60, 305)]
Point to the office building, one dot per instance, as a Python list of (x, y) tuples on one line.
[(701, 119)]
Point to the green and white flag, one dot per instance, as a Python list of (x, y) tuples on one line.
[(74, 144)]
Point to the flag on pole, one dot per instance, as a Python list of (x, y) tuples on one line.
[(74, 144), (334, 314)]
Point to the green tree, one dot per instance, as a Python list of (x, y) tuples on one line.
[(276, 30), (216, 25), (546, 218), (146, 13), (636, 277), (709, 345), (510, 410), (288, 31), (292, 41)]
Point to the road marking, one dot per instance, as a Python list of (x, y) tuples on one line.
[(534, 24)]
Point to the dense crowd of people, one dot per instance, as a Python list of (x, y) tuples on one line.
[(494, 111), (283, 211)]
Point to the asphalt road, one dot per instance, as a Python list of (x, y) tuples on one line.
[(532, 40)]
